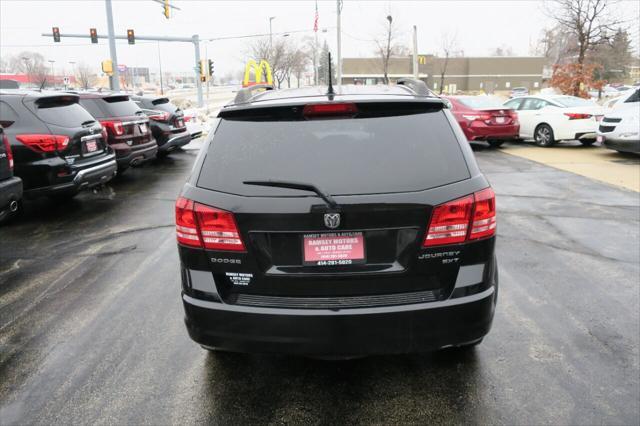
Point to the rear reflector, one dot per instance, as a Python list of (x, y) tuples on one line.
[(468, 218), (577, 116), (329, 110), (44, 143), (114, 126), (7, 147), (198, 225)]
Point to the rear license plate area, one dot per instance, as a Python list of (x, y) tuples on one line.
[(333, 249)]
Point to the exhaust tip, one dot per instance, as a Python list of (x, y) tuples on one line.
[(13, 206)]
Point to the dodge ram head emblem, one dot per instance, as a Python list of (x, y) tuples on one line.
[(332, 220)]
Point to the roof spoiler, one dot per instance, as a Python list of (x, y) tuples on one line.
[(244, 95), (419, 87)]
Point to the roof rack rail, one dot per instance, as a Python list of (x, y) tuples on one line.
[(419, 87), (245, 94)]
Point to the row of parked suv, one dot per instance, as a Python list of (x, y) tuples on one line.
[(57, 144)]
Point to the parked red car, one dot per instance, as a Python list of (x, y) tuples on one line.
[(484, 118)]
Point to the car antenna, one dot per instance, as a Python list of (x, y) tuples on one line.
[(330, 90)]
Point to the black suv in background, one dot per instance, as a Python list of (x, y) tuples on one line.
[(58, 147), (127, 127), (337, 224), (10, 186), (167, 122)]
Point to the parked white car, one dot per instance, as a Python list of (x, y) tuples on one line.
[(620, 128), (548, 119)]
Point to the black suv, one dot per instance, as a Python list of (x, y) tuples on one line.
[(58, 147), (337, 224), (167, 122), (127, 127), (10, 185)]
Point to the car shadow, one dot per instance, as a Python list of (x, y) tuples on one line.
[(245, 388)]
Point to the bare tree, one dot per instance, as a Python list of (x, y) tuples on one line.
[(502, 50), (448, 45), (589, 21), (387, 46), (85, 76)]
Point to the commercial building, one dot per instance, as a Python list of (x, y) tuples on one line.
[(488, 74)]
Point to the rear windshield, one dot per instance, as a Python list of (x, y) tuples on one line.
[(481, 102), (116, 106), (572, 101), (340, 156), (62, 113)]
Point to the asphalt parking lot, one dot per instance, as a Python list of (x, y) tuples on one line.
[(91, 324)]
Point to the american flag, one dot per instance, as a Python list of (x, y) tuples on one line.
[(315, 20)]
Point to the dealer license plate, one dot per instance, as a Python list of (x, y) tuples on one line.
[(333, 249)]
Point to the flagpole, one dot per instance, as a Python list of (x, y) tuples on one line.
[(315, 48), (339, 61)]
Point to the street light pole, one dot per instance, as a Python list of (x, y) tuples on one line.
[(51, 61), (339, 60), (115, 77), (160, 66), (271, 18)]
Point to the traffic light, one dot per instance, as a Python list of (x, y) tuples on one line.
[(131, 38), (167, 9), (56, 34), (210, 68), (94, 35), (202, 67)]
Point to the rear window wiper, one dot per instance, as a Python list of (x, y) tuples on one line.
[(295, 185)]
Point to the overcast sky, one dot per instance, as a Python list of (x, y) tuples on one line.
[(479, 26)]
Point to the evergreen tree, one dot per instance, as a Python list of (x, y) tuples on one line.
[(323, 66)]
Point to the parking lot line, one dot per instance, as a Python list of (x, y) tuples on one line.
[(593, 162)]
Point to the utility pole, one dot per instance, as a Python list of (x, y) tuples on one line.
[(415, 52), (339, 61), (196, 46), (115, 77), (160, 66)]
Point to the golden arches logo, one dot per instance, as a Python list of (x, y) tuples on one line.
[(259, 70), (422, 60)]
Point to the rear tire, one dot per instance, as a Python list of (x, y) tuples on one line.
[(587, 142), (543, 136), (495, 143)]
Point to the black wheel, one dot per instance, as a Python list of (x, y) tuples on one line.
[(162, 154), (587, 142), (495, 143), (543, 135)]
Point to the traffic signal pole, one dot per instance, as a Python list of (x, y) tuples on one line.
[(115, 76), (195, 39)]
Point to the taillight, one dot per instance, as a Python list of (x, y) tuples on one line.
[(468, 218), (329, 110), (187, 118), (44, 143), (198, 225), (115, 126), (484, 214), (577, 116), (477, 117), (450, 222), (159, 116), (7, 147)]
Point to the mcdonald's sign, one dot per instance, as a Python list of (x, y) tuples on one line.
[(422, 60), (259, 70)]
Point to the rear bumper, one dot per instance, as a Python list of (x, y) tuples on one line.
[(83, 178), (175, 141), (481, 133), (136, 154), (362, 331), (10, 190)]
